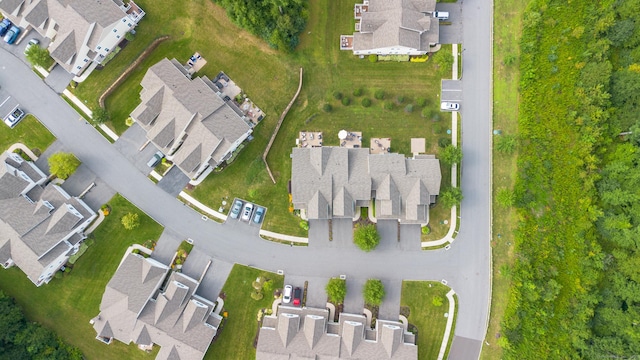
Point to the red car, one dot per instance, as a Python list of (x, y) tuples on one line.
[(297, 295)]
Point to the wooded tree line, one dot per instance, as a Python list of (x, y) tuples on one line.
[(576, 278), (278, 22), (21, 339)]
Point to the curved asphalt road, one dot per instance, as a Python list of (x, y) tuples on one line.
[(466, 266)]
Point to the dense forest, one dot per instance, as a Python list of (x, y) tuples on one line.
[(576, 276), (21, 339), (278, 22)]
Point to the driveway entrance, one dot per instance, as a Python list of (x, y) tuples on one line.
[(173, 181)]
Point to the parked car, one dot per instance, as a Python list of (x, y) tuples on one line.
[(14, 118), (4, 26), (286, 296), (257, 218), (11, 35), (155, 159), (32, 42), (246, 214), (235, 210), (449, 106), (297, 296), (441, 15)]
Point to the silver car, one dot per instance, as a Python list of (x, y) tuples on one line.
[(235, 210), (451, 106)]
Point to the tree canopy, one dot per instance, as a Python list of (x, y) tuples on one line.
[(373, 292), (38, 56), (278, 22), (130, 221), (63, 164), (451, 155), (366, 237), (336, 290), (21, 339)]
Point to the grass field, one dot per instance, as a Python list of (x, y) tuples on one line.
[(29, 131), (270, 80), (235, 339), (66, 305), (507, 30), (428, 318)]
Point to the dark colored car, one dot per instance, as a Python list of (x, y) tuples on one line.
[(11, 35), (257, 217), (4, 26), (297, 296), (155, 159)]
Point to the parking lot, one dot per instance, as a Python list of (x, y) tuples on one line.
[(245, 212)]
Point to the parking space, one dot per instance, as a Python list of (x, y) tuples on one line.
[(58, 79), (297, 282), (99, 192), (451, 29), (166, 246), (410, 237), (130, 145), (8, 105), (354, 301), (390, 307), (342, 230), (173, 181), (213, 281), (195, 264), (451, 92), (246, 213), (319, 233), (388, 230)]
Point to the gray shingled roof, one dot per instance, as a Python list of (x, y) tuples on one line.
[(37, 13), (328, 182), (295, 333), (9, 6), (191, 107), (175, 319), (393, 23), (64, 48)]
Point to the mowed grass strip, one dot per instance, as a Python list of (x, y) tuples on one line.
[(507, 32), (235, 340), (29, 131), (66, 305), (425, 315)]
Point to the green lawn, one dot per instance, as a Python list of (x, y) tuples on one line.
[(428, 318), (236, 338), (270, 79), (508, 14), (29, 131), (66, 305)]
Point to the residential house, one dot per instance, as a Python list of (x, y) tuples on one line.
[(328, 182), (41, 226), (387, 27), (146, 303), (82, 32), (307, 333), (188, 119)]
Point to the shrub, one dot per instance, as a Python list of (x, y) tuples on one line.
[(130, 221), (425, 112), (366, 237), (304, 224), (505, 197), (257, 295), (327, 107), (357, 92), (373, 58), (437, 129), (63, 164), (129, 36), (408, 108), (373, 292), (337, 95), (336, 290), (509, 59), (451, 155), (437, 300), (451, 197), (400, 99), (38, 56), (426, 230), (346, 101), (422, 102), (379, 94), (388, 105), (366, 102), (58, 275), (101, 115), (506, 144), (435, 115), (129, 122), (444, 142)]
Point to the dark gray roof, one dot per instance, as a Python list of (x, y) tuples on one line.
[(64, 47), (10, 6), (180, 106), (37, 13), (329, 181)]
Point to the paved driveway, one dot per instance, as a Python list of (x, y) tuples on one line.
[(342, 230), (167, 246), (173, 181), (390, 307), (451, 30), (319, 233), (410, 237), (354, 301), (213, 281), (58, 79), (196, 264), (388, 230), (130, 144), (81, 180)]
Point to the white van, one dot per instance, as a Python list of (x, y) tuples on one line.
[(441, 15)]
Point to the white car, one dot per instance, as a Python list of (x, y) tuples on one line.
[(31, 43), (451, 106), (441, 15), (286, 296), (246, 213), (14, 118)]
